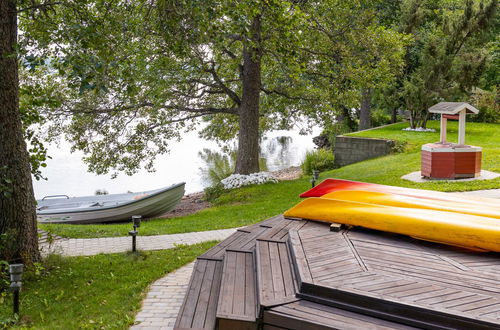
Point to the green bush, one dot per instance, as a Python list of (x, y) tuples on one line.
[(319, 159), (331, 131), (488, 105), (400, 146), (380, 117)]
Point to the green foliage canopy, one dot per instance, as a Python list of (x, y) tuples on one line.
[(122, 78), (448, 55)]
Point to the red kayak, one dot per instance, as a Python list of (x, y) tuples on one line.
[(332, 185)]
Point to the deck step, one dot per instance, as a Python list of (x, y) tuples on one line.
[(275, 276), (237, 307), (199, 307), (279, 231), (308, 315)]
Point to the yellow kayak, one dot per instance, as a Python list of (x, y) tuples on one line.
[(464, 230), (380, 198)]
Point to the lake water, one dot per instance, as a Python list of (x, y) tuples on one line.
[(67, 174)]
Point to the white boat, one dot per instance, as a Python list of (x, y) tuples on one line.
[(108, 208)]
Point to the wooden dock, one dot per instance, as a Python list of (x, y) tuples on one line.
[(297, 274)]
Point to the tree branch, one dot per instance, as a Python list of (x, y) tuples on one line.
[(285, 95), (208, 110), (39, 6), (226, 89), (107, 110), (204, 111), (229, 53)]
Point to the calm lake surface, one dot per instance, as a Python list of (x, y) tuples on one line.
[(67, 174)]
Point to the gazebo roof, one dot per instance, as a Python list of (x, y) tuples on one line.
[(452, 108)]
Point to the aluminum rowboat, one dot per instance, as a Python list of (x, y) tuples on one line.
[(108, 208)]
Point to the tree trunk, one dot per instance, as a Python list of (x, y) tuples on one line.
[(346, 119), (425, 117), (365, 110), (18, 230), (248, 137), (394, 116), (413, 120)]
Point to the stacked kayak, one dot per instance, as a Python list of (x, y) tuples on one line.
[(473, 223), (331, 185)]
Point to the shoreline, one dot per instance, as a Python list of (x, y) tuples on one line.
[(195, 202)]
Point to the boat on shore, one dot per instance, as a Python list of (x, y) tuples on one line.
[(108, 208)]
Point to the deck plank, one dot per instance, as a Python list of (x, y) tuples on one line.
[(198, 308), (237, 303), (264, 277), (277, 275), (210, 319), (239, 289), (300, 261), (191, 300), (200, 313), (251, 304), (276, 282), (286, 266)]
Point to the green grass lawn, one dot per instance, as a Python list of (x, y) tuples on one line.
[(255, 203), (98, 292)]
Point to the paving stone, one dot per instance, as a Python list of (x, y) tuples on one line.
[(93, 246), (161, 313)]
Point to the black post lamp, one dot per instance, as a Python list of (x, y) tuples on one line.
[(315, 177), (136, 220), (16, 278)]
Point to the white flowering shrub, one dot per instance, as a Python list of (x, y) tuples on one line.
[(240, 180), (419, 129)]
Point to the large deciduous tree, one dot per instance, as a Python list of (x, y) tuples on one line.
[(18, 231), (137, 74)]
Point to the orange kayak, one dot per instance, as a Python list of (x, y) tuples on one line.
[(380, 198), (464, 230), (332, 185)]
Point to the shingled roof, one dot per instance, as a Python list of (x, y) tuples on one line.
[(452, 108)]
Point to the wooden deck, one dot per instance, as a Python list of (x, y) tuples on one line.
[(297, 274)]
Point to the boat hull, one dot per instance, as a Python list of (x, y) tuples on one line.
[(148, 204)]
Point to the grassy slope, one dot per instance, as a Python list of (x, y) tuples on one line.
[(98, 292), (252, 204)]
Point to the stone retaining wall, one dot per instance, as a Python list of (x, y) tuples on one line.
[(350, 149)]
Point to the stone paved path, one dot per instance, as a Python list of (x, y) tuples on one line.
[(162, 304), (92, 246)]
